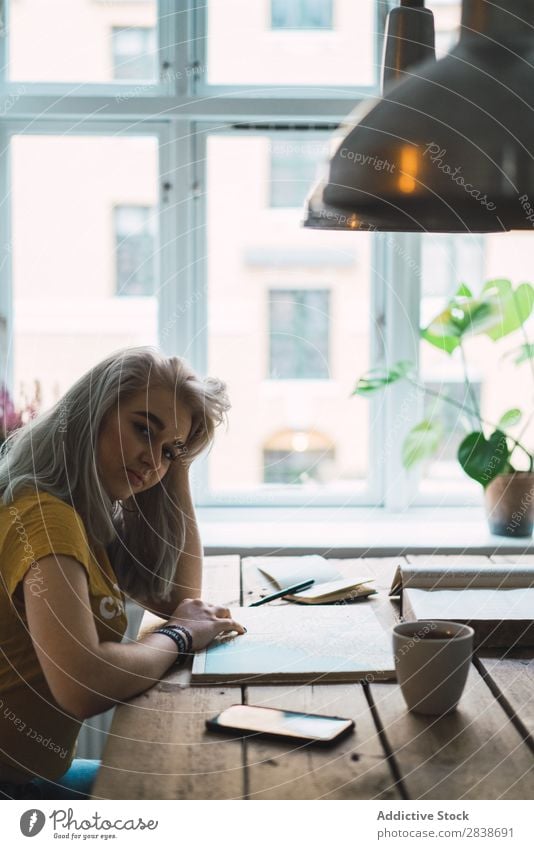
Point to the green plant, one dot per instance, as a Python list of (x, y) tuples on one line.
[(486, 451)]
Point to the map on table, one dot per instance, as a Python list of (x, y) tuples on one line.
[(297, 644)]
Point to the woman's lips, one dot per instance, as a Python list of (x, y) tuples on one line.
[(134, 478)]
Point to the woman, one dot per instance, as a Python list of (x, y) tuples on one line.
[(95, 503)]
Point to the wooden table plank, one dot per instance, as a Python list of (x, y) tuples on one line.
[(158, 748), (513, 681), (356, 768), (473, 753)]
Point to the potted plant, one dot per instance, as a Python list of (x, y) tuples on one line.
[(489, 452)]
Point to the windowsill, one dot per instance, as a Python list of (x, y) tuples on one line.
[(351, 532)]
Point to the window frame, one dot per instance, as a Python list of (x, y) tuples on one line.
[(182, 109)]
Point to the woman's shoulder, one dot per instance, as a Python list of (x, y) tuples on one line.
[(44, 508)]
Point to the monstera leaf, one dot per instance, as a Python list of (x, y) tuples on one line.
[(513, 306), (483, 459), (463, 316), (378, 378), (422, 442)]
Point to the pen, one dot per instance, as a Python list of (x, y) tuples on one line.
[(303, 585)]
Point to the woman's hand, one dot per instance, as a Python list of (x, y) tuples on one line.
[(205, 621)]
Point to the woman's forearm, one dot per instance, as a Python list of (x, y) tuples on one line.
[(118, 671)]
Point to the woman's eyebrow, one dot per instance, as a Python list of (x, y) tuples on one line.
[(179, 443), (151, 416)]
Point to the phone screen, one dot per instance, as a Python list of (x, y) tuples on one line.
[(284, 723)]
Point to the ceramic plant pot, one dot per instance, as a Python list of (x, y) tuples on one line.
[(510, 504)]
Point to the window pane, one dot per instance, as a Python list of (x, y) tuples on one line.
[(135, 249), (498, 383), (292, 42), (299, 332), (447, 15), (301, 14), (134, 53), (288, 319), (67, 195), (82, 40), (294, 167)]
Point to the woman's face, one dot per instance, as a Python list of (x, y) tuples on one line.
[(138, 441)]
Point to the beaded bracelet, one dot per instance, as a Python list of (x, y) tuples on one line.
[(178, 639), (187, 634)]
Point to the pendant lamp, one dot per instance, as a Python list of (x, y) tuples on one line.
[(409, 40), (457, 135)]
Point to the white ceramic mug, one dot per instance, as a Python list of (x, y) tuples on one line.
[(432, 661)]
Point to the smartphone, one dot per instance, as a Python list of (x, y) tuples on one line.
[(245, 720)]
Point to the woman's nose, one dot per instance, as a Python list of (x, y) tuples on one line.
[(151, 458)]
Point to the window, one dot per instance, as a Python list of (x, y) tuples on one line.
[(134, 53), (294, 168), (128, 226), (301, 14), (298, 458), (271, 300), (299, 323), (292, 42), (66, 315), (65, 42), (135, 250)]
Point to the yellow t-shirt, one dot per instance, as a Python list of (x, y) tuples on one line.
[(37, 736)]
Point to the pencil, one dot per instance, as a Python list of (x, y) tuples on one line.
[(303, 585)]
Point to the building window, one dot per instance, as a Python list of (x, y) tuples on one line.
[(299, 329), (294, 169), (301, 14), (135, 250), (293, 457), (134, 53)]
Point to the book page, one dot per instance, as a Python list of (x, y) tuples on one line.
[(287, 571), (288, 643), (463, 577)]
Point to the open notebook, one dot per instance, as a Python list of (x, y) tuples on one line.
[(301, 645), (329, 584)]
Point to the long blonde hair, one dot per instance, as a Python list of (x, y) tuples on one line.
[(56, 453)]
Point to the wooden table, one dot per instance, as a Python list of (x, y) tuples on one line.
[(158, 748)]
